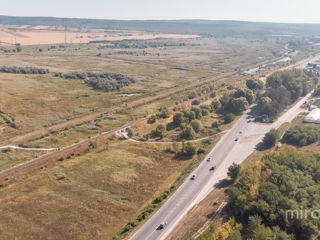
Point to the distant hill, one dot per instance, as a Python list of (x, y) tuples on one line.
[(201, 27)]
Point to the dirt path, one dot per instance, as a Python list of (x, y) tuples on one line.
[(27, 149)]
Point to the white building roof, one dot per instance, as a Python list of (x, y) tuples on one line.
[(313, 116)]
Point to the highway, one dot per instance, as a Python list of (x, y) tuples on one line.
[(227, 151)]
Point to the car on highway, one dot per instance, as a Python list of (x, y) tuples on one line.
[(241, 131), (236, 140), (194, 176), (208, 159), (162, 226), (212, 168)]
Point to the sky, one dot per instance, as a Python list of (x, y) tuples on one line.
[(291, 11)]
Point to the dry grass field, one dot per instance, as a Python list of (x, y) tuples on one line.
[(32, 35), (94, 195), (88, 197)]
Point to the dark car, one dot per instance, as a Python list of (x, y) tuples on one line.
[(193, 177), (212, 168), (162, 225)]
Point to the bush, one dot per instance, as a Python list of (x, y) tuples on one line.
[(301, 135), (189, 150), (152, 119), (160, 131), (188, 133), (195, 102), (130, 133), (270, 138), (255, 84), (23, 70), (215, 124), (106, 82), (228, 118), (178, 119), (234, 171), (201, 151), (196, 125)]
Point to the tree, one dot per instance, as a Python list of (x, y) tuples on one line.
[(228, 118), (164, 113), (188, 133), (235, 235), (238, 105), (152, 119), (160, 131), (196, 125), (234, 171), (197, 112), (189, 116), (178, 119), (189, 150), (270, 138), (130, 132), (301, 135), (255, 84), (195, 102), (215, 124), (216, 104)]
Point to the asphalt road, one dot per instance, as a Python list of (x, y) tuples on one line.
[(227, 151)]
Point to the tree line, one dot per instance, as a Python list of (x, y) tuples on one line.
[(23, 70), (284, 88), (264, 193)]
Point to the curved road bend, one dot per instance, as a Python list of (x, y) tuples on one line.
[(222, 156)]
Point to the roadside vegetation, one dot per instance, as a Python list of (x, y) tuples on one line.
[(282, 89), (302, 135)]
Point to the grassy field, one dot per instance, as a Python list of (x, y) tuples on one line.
[(88, 197), (95, 195), (37, 101)]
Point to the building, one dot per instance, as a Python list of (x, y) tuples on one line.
[(313, 116)]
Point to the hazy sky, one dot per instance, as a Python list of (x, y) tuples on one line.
[(250, 10)]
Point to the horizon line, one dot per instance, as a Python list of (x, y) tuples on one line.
[(168, 19)]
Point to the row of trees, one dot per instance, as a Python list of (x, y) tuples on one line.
[(138, 44), (283, 88), (265, 192), (101, 81), (23, 70)]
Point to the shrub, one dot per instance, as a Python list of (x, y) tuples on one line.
[(196, 125), (188, 133), (152, 119), (106, 82), (270, 138), (195, 102), (234, 171), (255, 84), (189, 150), (301, 135), (228, 118)]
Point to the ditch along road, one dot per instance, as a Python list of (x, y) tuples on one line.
[(234, 147)]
